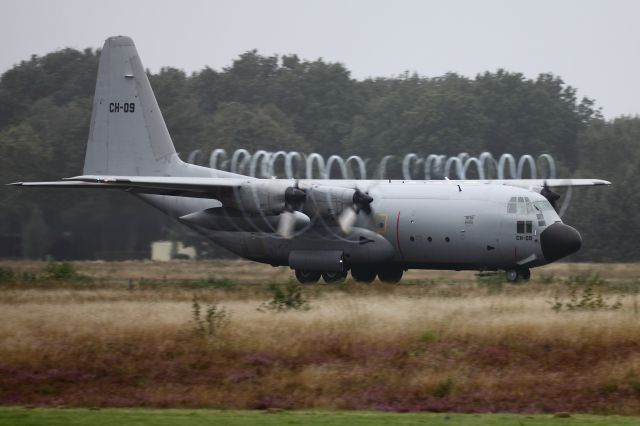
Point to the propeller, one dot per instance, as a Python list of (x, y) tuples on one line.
[(286, 224), (551, 196), (294, 199), (348, 217)]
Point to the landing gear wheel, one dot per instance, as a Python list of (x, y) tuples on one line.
[(390, 275), (512, 275), (307, 277), (363, 274), (515, 275), (334, 277)]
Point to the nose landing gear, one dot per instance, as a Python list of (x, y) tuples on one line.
[(519, 274)]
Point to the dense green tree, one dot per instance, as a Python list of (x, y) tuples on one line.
[(61, 76), (259, 127), (609, 150), (35, 236), (179, 107)]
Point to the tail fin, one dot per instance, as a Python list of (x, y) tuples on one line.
[(128, 135)]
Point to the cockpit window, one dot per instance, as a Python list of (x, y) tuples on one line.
[(523, 205), (529, 207), (543, 205), (524, 227)]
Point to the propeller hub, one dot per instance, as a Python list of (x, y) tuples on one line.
[(294, 198), (362, 201)]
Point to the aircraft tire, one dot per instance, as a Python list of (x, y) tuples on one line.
[(390, 275), (334, 277), (525, 274), (363, 274), (512, 275), (307, 277)]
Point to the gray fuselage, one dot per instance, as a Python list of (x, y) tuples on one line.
[(413, 224)]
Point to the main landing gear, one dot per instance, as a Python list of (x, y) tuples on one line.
[(307, 277), (334, 277), (519, 274), (361, 274), (312, 277), (390, 275)]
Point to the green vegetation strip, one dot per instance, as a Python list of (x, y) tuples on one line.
[(112, 416)]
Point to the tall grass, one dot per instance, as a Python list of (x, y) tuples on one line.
[(383, 352), (424, 345)]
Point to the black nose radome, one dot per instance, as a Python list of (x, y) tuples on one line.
[(559, 240)]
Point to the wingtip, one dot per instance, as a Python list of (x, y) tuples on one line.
[(14, 184)]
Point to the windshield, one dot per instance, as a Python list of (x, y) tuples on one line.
[(543, 205)]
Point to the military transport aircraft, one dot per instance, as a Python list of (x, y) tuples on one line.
[(317, 227)]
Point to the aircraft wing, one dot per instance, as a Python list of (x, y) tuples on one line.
[(219, 187), (180, 186), (551, 183)]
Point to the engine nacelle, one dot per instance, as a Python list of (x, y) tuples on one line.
[(225, 219), (271, 197), (327, 200), (258, 196)]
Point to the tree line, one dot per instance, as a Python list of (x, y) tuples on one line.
[(285, 102)]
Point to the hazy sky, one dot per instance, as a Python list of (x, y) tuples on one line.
[(593, 45)]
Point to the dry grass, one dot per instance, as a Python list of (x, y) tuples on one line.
[(455, 346), (251, 272)]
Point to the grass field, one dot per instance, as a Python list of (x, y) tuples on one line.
[(171, 417), (126, 335)]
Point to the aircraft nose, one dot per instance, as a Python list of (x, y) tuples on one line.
[(559, 240)]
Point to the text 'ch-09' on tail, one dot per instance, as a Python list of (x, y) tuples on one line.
[(320, 228)]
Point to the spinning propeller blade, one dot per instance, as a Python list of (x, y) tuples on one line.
[(286, 225), (347, 219), (361, 202), (294, 199), (551, 196)]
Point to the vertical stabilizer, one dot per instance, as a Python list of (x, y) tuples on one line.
[(128, 135)]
